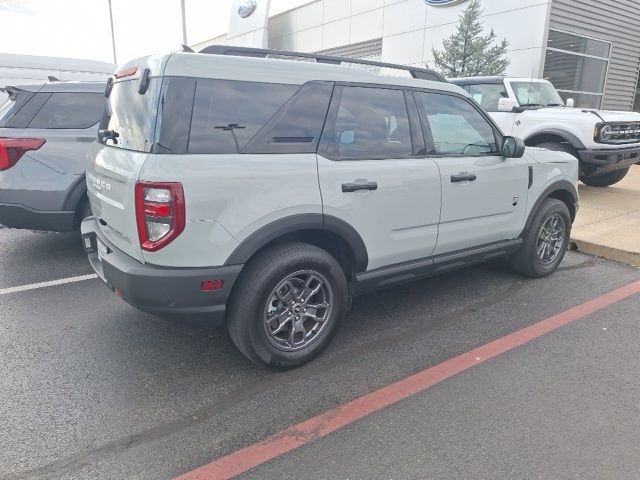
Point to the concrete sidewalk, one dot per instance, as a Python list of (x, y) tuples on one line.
[(608, 223)]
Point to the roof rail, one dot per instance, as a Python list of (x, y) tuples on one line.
[(420, 73)]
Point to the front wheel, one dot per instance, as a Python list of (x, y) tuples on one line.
[(545, 242), (287, 305), (605, 180)]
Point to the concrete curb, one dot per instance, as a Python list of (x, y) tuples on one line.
[(610, 253)]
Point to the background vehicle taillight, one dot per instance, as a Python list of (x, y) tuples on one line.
[(160, 213), (11, 149)]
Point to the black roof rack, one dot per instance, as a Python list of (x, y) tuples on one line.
[(420, 73)]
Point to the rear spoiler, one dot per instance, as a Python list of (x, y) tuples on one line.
[(10, 90)]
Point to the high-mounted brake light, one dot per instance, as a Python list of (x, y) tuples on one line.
[(12, 149), (126, 72), (160, 213)]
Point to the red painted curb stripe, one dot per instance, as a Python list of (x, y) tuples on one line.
[(316, 427)]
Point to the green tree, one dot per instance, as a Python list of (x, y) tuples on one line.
[(470, 53)]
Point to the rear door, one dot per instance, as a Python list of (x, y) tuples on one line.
[(484, 195), (375, 176)]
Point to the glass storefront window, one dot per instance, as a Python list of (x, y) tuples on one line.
[(572, 72), (583, 100), (577, 67), (576, 44)]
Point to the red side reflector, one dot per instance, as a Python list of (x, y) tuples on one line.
[(126, 72), (11, 149), (210, 285)]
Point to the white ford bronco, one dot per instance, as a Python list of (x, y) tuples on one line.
[(265, 193), (606, 143)]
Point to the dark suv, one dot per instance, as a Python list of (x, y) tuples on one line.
[(45, 134)]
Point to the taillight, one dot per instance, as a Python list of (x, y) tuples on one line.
[(11, 149), (160, 213)]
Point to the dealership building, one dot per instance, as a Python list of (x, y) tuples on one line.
[(589, 49)]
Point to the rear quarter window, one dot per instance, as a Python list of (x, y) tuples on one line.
[(12, 106), (228, 114), (69, 110)]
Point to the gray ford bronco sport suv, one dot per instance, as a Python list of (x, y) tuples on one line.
[(46, 131), (265, 193)]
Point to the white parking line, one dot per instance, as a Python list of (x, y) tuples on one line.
[(51, 283)]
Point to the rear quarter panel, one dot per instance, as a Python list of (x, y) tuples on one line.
[(229, 197)]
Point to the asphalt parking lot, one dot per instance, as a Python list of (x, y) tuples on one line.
[(91, 388)]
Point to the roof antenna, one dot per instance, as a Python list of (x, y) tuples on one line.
[(52, 79), (187, 48)]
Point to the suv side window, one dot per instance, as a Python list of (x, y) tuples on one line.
[(227, 114), (457, 128), (370, 123), (69, 110), (297, 126)]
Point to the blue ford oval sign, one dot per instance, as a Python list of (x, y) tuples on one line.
[(442, 3), (247, 8)]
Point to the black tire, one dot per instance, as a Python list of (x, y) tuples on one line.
[(527, 261), (605, 180), (253, 298)]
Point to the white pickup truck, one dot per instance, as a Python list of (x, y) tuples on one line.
[(606, 143)]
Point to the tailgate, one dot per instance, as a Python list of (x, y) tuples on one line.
[(111, 177)]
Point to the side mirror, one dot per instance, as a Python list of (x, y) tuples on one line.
[(513, 147), (507, 104), (570, 102)]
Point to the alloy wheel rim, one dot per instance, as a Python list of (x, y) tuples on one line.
[(551, 239), (298, 310)]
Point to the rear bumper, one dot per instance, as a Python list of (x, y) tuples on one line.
[(161, 291), (608, 160), (20, 216)]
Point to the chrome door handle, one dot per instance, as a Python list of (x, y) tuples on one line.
[(354, 187)]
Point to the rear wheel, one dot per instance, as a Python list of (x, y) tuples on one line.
[(287, 305), (545, 242), (604, 180)]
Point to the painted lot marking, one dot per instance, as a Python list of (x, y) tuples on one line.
[(51, 283), (321, 425)]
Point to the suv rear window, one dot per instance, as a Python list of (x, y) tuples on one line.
[(69, 110), (132, 115), (12, 105)]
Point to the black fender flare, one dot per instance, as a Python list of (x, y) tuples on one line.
[(299, 223), (563, 185), (569, 137)]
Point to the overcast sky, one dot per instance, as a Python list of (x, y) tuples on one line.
[(80, 28)]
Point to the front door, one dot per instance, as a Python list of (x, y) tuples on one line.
[(375, 176), (484, 195)]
